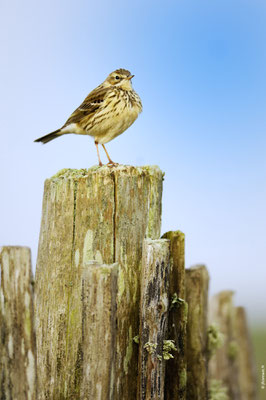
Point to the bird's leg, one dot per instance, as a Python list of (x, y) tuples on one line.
[(109, 159), (98, 154)]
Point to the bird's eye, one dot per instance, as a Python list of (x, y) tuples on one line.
[(117, 77)]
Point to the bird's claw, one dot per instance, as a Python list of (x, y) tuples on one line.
[(112, 164)]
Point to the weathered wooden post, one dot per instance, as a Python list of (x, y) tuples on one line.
[(17, 350), (233, 363), (101, 214), (117, 316), (223, 365), (154, 307), (99, 331), (197, 282), (176, 368), (247, 369)]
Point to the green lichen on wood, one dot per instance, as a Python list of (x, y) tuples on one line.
[(215, 339), (232, 350), (168, 347), (182, 380), (217, 391), (154, 308), (150, 347), (175, 384), (129, 351), (185, 312), (177, 302), (136, 339), (100, 214), (67, 173)]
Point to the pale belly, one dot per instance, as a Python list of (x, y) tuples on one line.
[(113, 126)]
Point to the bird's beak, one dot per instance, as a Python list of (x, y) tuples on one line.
[(130, 77)]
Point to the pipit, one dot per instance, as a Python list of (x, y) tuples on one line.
[(105, 113)]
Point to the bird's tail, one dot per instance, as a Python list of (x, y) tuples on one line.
[(50, 136)]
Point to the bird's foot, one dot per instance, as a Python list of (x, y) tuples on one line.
[(100, 164), (112, 164)]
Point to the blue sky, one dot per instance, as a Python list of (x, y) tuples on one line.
[(200, 70)]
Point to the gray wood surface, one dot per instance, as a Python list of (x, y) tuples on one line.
[(100, 214), (17, 349), (197, 281), (154, 308), (176, 369), (233, 363)]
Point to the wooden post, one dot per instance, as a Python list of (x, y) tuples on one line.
[(197, 281), (232, 363), (99, 332), (247, 370), (223, 366), (17, 350), (153, 318), (176, 371), (102, 214)]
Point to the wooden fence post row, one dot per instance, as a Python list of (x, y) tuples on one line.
[(232, 366), (116, 314)]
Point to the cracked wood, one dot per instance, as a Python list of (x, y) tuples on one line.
[(153, 318), (99, 214)]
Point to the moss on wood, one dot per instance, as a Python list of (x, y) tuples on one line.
[(100, 214)]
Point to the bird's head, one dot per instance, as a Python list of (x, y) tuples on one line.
[(120, 78)]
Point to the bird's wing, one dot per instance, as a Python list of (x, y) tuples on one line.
[(89, 106)]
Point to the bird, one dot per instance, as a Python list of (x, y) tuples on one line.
[(106, 112)]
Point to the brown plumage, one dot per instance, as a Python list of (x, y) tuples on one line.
[(105, 113)]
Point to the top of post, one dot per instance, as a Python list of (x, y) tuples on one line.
[(67, 173)]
